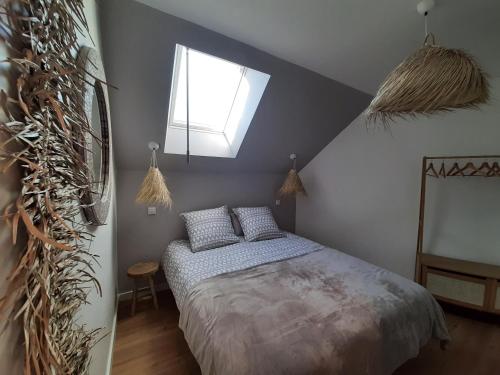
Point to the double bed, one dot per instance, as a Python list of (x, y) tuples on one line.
[(292, 306)]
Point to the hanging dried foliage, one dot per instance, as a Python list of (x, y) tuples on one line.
[(45, 119), (292, 185), (431, 80), (153, 189)]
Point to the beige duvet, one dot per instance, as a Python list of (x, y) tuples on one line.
[(320, 313)]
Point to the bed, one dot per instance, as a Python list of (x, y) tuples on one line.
[(293, 306)]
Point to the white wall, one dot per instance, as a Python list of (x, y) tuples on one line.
[(101, 311), (10, 332), (364, 190)]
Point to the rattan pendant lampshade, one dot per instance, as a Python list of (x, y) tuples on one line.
[(293, 184), (432, 79), (154, 189)]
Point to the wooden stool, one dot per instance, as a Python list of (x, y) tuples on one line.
[(143, 270)]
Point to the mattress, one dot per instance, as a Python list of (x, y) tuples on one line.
[(292, 306)]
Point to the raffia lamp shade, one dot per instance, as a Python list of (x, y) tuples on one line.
[(292, 184), (153, 189), (432, 79)]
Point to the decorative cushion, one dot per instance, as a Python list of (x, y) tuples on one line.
[(258, 223), (236, 224), (208, 229)]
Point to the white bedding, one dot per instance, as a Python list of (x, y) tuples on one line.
[(184, 269)]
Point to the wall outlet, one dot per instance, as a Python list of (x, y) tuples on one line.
[(151, 211), (278, 202)]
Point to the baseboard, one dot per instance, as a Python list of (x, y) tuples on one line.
[(109, 364), (127, 295)]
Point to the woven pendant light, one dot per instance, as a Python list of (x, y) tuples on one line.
[(293, 184), (432, 79), (154, 189)]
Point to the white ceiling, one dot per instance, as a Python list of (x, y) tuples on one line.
[(356, 42)]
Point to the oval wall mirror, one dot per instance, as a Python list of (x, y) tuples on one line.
[(95, 144)]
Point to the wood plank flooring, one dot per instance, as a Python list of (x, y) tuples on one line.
[(150, 343)]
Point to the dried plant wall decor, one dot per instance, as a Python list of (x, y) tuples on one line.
[(46, 119)]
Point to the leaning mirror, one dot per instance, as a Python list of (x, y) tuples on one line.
[(95, 144)]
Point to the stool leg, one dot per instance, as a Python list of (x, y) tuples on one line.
[(153, 291), (134, 297)]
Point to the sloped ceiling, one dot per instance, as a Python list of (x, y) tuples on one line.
[(356, 42), (300, 112)]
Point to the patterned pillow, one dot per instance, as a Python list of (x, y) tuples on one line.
[(208, 229), (258, 223)]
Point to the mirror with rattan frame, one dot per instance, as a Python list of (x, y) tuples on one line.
[(95, 145)]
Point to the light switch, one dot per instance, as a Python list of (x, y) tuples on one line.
[(151, 211)]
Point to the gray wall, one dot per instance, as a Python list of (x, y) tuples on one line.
[(300, 111), (364, 190), (142, 237)]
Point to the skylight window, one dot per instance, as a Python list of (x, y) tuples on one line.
[(223, 97)]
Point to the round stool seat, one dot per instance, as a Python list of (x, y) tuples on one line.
[(143, 269)]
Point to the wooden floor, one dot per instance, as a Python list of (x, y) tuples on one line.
[(151, 343)]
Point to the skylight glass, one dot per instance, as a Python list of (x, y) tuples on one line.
[(223, 97), (213, 86)]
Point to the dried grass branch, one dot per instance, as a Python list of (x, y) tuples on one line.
[(45, 117)]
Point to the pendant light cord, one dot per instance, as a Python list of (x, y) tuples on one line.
[(429, 39), (425, 24), (154, 160), (293, 157), (187, 106)]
